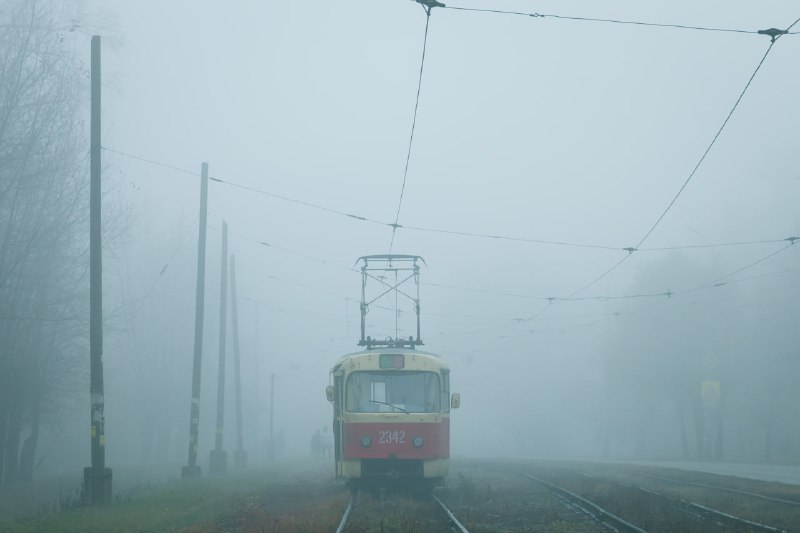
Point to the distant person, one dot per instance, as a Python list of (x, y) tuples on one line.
[(327, 443)]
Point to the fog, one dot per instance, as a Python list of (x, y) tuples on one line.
[(543, 147)]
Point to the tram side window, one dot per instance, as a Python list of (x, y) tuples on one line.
[(387, 392)]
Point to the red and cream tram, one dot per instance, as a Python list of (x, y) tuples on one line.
[(391, 416), (391, 401)]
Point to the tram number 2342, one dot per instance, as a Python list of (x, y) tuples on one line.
[(392, 437)]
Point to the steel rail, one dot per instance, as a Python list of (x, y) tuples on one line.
[(723, 489), (346, 515), (602, 516), (731, 519), (702, 509), (451, 516)]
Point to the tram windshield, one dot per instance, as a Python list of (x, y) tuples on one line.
[(392, 392)]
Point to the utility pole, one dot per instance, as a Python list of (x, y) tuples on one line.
[(258, 427), (271, 454), (96, 478), (218, 456), (240, 455), (192, 469)]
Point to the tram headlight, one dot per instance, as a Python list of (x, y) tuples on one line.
[(418, 442), (366, 442)]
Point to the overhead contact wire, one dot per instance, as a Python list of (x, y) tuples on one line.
[(413, 127), (720, 281), (774, 38), (708, 149), (437, 230), (507, 238), (592, 19), (601, 276), (151, 162), (296, 201), (711, 245), (665, 295)]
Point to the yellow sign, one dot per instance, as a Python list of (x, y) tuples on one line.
[(709, 390)]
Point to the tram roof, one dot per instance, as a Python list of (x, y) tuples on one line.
[(395, 350), (392, 350)]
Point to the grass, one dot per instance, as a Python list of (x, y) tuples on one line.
[(177, 505)]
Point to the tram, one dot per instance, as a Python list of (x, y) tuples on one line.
[(391, 408)]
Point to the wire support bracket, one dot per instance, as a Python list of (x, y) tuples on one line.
[(773, 33), (429, 4)]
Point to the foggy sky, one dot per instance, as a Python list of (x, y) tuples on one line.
[(534, 128)]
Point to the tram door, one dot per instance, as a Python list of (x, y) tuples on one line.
[(338, 411)]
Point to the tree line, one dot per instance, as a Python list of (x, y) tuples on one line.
[(44, 220)]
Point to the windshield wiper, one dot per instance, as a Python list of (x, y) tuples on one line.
[(393, 406)]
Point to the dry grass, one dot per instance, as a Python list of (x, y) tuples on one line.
[(177, 505)]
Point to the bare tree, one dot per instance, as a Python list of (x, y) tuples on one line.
[(44, 216)]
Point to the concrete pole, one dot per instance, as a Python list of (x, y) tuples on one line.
[(271, 455), (192, 469), (96, 478), (240, 455), (219, 457)]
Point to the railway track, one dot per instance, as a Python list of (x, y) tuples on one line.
[(514, 497), (675, 510), (721, 489), (346, 515), (448, 520), (707, 513), (620, 506), (450, 516), (591, 509), (500, 499)]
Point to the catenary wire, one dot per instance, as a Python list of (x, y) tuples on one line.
[(250, 189), (179, 243), (548, 299), (296, 201), (413, 127), (711, 245), (708, 148), (593, 19), (758, 276), (694, 170), (663, 297), (509, 238), (444, 231), (150, 161), (716, 136), (603, 275), (720, 281), (395, 225)]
